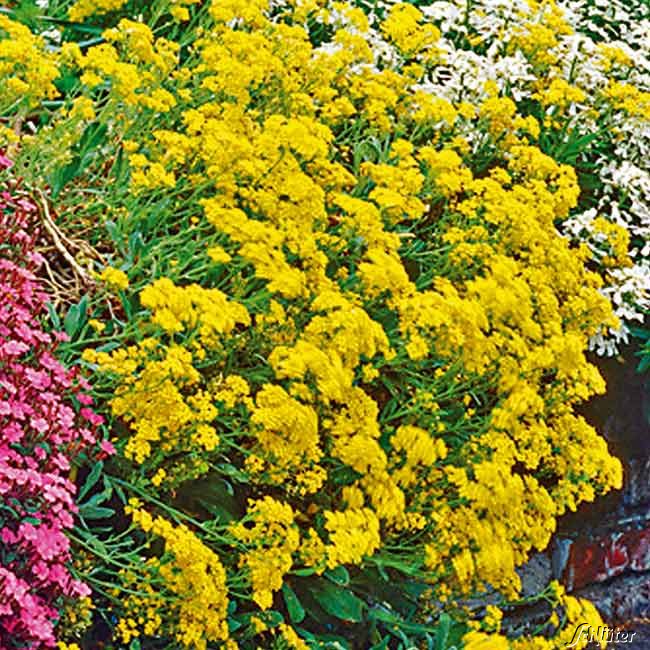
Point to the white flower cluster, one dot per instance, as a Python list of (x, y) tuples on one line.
[(626, 202), (607, 20), (624, 174), (463, 75)]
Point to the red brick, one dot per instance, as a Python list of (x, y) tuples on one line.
[(594, 560)]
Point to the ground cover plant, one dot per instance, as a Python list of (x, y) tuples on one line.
[(41, 435), (332, 271)]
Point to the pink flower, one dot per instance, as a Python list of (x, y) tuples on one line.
[(107, 447), (12, 432), (14, 348), (40, 434), (91, 416), (38, 379), (5, 163), (61, 461), (84, 399), (36, 258), (40, 424)]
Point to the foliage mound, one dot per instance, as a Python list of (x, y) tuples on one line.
[(356, 257)]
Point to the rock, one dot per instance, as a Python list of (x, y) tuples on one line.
[(535, 574), (637, 482)]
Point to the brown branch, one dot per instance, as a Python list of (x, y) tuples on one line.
[(60, 240)]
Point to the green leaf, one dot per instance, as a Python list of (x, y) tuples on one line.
[(118, 490), (63, 175), (113, 232), (91, 480), (272, 618), (295, 609), (339, 575), (108, 347), (54, 317), (324, 641), (87, 150), (640, 333), (309, 571), (71, 320), (338, 602), (644, 364), (234, 624), (100, 497), (93, 136), (91, 508), (88, 511), (89, 42), (126, 305), (211, 494), (442, 634), (75, 317), (66, 83)]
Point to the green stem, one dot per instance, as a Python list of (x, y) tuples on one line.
[(176, 514)]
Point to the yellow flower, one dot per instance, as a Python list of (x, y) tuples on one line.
[(481, 641), (218, 255), (82, 9), (159, 477), (83, 108), (258, 625), (180, 14), (27, 70), (291, 637), (97, 325), (191, 601), (368, 271), (114, 278), (272, 539), (353, 535)]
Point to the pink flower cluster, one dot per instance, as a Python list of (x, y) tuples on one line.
[(45, 421)]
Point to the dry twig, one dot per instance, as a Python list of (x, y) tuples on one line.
[(59, 240)]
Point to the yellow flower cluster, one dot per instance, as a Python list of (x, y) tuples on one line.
[(537, 38), (404, 27), (183, 594), (290, 637), (208, 311), (134, 64), (353, 535), (84, 8), (27, 70), (114, 278), (615, 240), (288, 436), (629, 98), (167, 402), (348, 319), (272, 538)]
